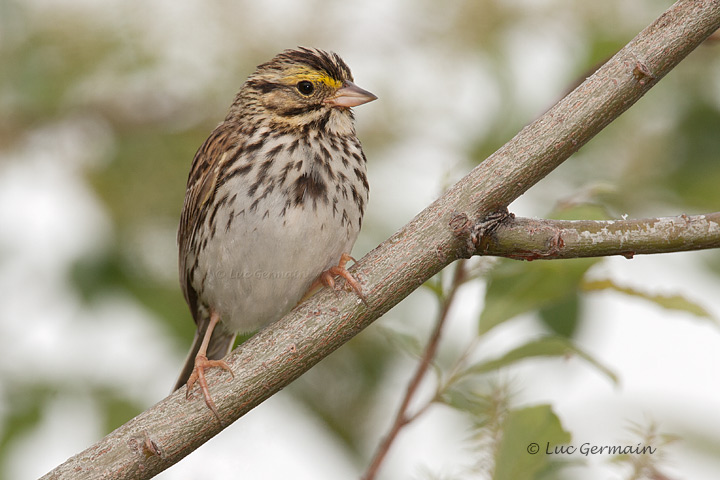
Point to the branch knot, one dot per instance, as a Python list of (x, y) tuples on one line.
[(477, 233)]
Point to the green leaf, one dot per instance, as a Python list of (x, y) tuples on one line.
[(528, 430), (519, 287), (550, 346), (562, 317), (668, 302), (402, 341), (694, 172)]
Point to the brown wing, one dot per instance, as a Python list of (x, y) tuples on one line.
[(210, 160)]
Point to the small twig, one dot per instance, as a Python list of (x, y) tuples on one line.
[(539, 239), (402, 417)]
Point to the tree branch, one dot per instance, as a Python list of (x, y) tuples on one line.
[(170, 430), (533, 239)]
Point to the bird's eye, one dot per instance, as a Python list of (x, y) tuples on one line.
[(305, 87)]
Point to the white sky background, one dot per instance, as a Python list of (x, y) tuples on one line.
[(667, 362)]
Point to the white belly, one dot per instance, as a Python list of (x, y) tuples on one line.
[(262, 268)]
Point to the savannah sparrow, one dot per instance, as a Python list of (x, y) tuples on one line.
[(274, 202)]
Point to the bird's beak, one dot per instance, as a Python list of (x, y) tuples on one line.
[(350, 95)]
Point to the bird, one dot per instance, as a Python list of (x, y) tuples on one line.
[(274, 203)]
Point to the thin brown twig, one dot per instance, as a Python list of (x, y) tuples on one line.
[(402, 417)]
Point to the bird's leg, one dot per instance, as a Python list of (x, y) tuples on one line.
[(202, 362)]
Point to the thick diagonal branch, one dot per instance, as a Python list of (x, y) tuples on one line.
[(164, 434)]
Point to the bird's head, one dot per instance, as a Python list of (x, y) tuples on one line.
[(303, 87)]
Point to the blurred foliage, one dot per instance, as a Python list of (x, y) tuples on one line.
[(523, 427), (520, 287), (145, 180), (668, 302), (58, 62), (549, 346), (694, 175), (354, 372), (509, 442), (643, 465), (96, 275)]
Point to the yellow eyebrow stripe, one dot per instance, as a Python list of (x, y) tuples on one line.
[(303, 73)]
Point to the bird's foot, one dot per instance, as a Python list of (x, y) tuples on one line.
[(198, 375), (327, 278)]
